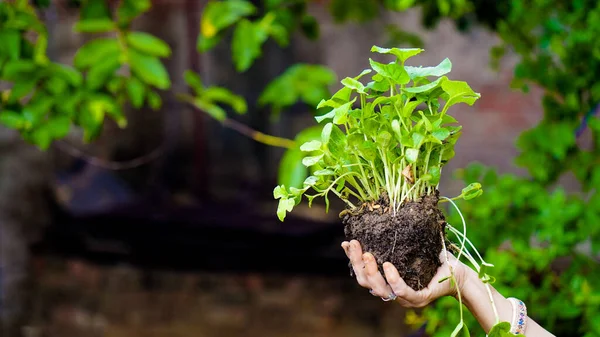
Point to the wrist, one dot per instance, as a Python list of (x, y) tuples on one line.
[(470, 286)]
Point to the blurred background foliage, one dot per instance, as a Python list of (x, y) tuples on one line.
[(543, 239)]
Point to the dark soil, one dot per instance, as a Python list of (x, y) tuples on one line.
[(410, 239)]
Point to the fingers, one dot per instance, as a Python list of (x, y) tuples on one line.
[(346, 248), (406, 295), (395, 281), (376, 281), (355, 255)]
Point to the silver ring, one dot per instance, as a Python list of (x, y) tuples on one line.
[(391, 297)]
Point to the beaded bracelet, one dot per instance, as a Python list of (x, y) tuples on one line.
[(519, 320)]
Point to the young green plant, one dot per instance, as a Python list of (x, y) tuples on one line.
[(382, 149), (386, 139)]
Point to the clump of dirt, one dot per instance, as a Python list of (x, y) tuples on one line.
[(409, 239)]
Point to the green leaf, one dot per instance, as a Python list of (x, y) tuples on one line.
[(441, 69), (22, 88), (338, 114), (418, 139), (458, 92), (218, 15), (401, 54), (150, 70), (441, 133), (279, 192), (211, 109), (368, 150), (148, 44), (363, 73), (247, 41), (154, 100), (284, 206), (205, 44), (94, 9), (130, 9), (223, 95), (310, 181), (136, 92), (473, 190), (343, 94), (11, 44), (100, 72), (95, 26), (41, 137), (461, 330), (393, 71), (70, 74), (274, 29), (353, 84), (325, 172), (59, 126), (326, 133), (312, 160), (91, 119), (96, 50), (436, 174), (313, 145), (305, 82), (412, 155), (426, 87), (291, 170), (194, 81), (18, 69), (13, 120), (483, 271), (39, 50), (384, 139), (501, 329), (37, 109), (396, 129)]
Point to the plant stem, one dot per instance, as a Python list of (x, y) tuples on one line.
[(489, 291), (464, 227), (344, 199), (354, 193), (355, 184), (458, 233), (364, 178), (245, 130), (452, 277)]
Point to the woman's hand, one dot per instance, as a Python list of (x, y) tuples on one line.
[(368, 276)]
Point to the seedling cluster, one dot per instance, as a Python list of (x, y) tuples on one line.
[(385, 141)]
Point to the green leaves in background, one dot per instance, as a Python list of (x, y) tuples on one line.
[(218, 15), (210, 99), (95, 26), (149, 69), (301, 82), (46, 98), (148, 44), (248, 38), (292, 171), (278, 21)]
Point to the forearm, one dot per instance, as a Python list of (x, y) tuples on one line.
[(476, 298)]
